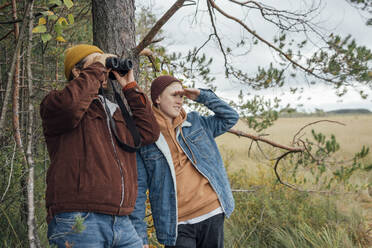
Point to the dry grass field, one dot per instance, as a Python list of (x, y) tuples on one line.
[(356, 132)]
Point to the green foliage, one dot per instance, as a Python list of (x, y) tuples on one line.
[(258, 112), (192, 68), (321, 158), (365, 6), (272, 215), (78, 226), (265, 77), (275, 216), (344, 61), (55, 22), (306, 236)]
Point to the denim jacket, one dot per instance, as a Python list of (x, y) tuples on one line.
[(156, 170)]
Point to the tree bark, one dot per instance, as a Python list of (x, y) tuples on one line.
[(6, 97), (1, 83), (15, 98), (114, 27), (15, 111), (114, 31)]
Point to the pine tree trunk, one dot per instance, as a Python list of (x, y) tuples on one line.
[(15, 116), (15, 98), (114, 27)]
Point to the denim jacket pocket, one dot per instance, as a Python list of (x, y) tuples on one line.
[(200, 140)]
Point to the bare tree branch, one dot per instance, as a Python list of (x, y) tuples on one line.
[(6, 35), (285, 20), (5, 5), (279, 51), (21, 20), (257, 138), (147, 40), (215, 33), (12, 67), (312, 123), (276, 170), (10, 174), (244, 190)]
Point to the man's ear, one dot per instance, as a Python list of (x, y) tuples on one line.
[(157, 100), (75, 71)]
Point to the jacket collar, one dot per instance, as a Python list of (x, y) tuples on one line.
[(112, 106), (186, 124), (164, 123)]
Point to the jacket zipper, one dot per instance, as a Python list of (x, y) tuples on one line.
[(121, 170), (116, 157)]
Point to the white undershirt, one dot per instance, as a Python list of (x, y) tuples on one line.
[(202, 217)]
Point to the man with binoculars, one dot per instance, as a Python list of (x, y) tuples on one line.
[(92, 177)]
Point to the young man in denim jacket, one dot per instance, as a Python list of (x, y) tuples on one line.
[(188, 187)]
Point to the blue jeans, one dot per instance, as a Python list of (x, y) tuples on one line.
[(101, 230)]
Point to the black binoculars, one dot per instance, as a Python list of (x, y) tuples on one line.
[(121, 65)]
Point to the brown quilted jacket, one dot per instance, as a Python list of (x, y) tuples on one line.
[(88, 171)]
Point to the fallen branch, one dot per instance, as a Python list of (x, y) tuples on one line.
[(312, 123), (257, 138), (244, 190), (276, 170)]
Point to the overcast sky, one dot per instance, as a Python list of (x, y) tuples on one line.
[(184, 32)]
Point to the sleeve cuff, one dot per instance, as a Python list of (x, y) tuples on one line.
[(130, 85), (204, 93)]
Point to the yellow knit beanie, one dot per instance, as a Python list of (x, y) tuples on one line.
[(74, 54)]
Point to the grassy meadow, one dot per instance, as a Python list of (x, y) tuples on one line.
[(356, 132), (276, 216)]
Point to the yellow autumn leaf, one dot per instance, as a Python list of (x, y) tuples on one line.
[(39, 29), (47, 13), (60, 38), (42, 21), (62, 20)]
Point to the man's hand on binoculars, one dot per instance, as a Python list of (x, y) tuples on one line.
[(126, 79)]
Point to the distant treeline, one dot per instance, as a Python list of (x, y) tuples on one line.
[(349, 111), (320, 112)]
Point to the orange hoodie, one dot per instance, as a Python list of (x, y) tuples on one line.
[(195, 195)]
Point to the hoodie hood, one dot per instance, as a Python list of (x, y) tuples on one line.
[(164, 122)]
